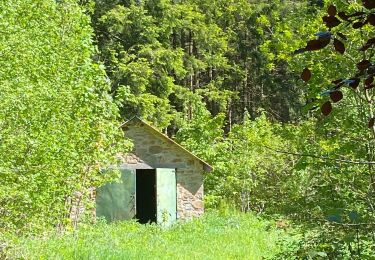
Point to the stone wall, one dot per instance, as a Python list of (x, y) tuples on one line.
[(153, 150)]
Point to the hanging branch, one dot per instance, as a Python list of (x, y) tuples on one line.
[(362, 82)]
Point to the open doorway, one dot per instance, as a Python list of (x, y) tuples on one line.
[(146, 195)]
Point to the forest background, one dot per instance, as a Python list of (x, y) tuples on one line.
[(221, 77)]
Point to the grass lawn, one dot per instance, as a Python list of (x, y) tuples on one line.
[(214, 236)]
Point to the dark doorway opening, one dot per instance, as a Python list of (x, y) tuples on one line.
[(146, 195)]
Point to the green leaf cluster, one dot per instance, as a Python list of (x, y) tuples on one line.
[(162, 56), (58, 124)]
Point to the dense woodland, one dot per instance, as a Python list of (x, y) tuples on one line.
[(221, 77)]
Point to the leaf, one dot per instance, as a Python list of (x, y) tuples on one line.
[(339, 85), (353, 216), (371, 41), (314, 45), (352, 82), (323, 34), (337, 81), (343, 16), (326, 93), (332, 10), (371, 122), (368, 44), (355, 83), (306, 75), (336, 96), (365, 47), (359, 74), (371, 19), (364, 64), (369, 80), (326, 108), (369, 4), (371, 70), (339, 46), (334, 218), (357, 25), (331, 21)]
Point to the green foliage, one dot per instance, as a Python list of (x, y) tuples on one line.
[(208, 72), (214, 236), (203, 135), (247, 171), (160, 55), (282, 169), (229, 57), (58, 124), (331, 189)]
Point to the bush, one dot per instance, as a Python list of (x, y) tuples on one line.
[(57, 122)]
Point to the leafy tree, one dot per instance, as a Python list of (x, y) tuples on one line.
[(328, 186), (356, 22), (350, 30), (161, 55), (58, 125), (334, 150), (248, 174)]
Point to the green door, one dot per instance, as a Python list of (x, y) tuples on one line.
[(166, 196), (116, 201)]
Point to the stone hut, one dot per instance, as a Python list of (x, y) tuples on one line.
[(161, 180)]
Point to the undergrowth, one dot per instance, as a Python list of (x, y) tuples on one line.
[(213, 236)]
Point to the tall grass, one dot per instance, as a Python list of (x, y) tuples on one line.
[(214, 236)]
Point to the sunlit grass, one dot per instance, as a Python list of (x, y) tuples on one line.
[(214, 236)]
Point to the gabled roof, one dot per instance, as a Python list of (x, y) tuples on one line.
[(206, 166)]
